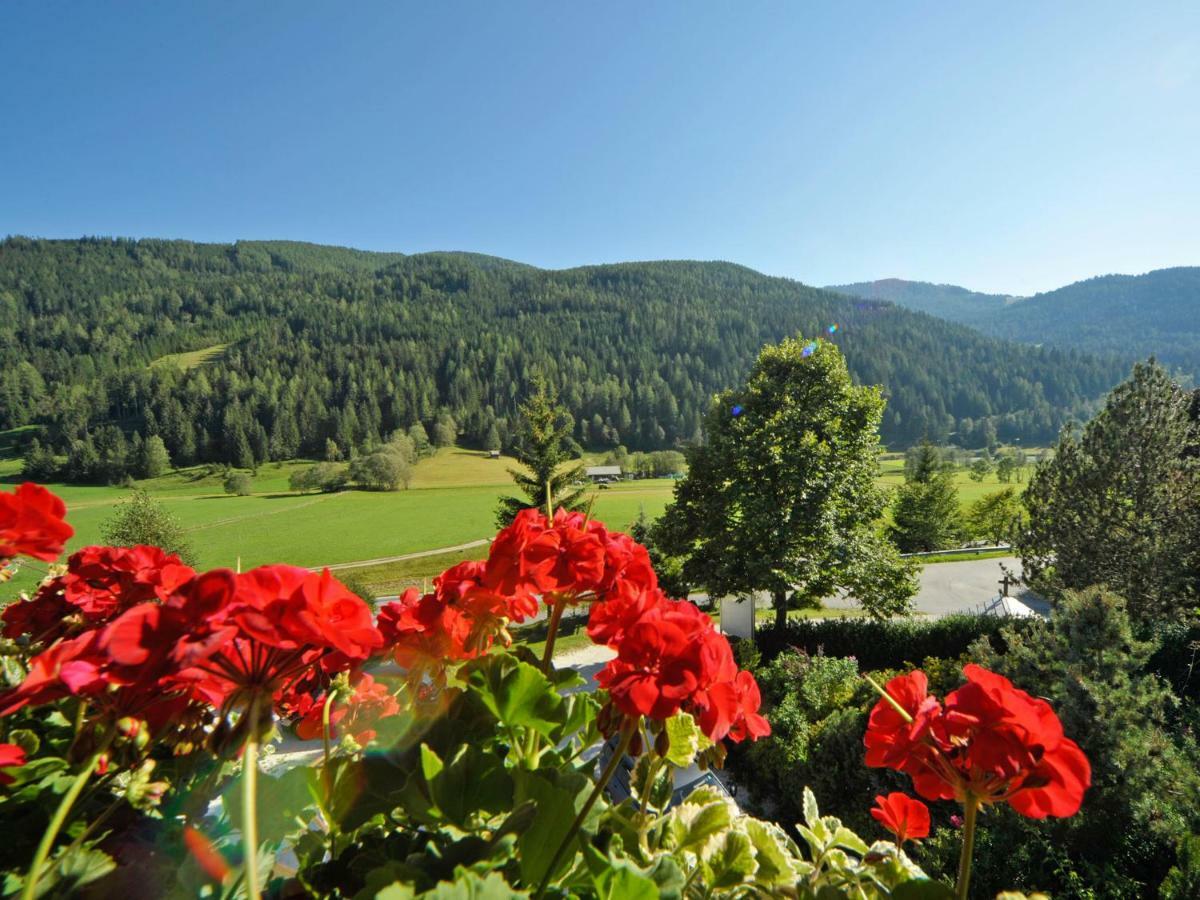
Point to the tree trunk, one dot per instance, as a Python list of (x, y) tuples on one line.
[(779, 600)]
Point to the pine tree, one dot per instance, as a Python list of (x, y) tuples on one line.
[(925, 513), (492, 440), (39, 463), (541, 448), (154, 460), (1119, 504)]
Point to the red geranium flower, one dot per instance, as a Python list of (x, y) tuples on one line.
[(31, 523), (907, 819), (282, 622), (11, 756), (992, 742), (102, 581), (523, 555), (69, 667), (355, 715), (891, 740)]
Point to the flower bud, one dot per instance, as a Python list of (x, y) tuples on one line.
[(662, 743)]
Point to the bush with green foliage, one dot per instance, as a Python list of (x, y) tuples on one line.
[(997, 517), (239, 484), (326, 477), (887, 644), (140, 519), (1145, 794)]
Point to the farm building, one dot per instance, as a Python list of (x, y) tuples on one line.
[(603, 474)]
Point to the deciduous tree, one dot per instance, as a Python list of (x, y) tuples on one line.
[(783, 498)]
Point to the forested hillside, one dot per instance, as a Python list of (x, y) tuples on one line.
[(308, 345), (1130, 316), (946, 301), (1133, 315)]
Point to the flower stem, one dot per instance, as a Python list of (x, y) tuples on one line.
[(250, 803), (556, 613), (904, 713), (57, 822), (326, 772), (606, 776), (970, 809)]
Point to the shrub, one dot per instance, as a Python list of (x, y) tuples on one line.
[(1145, 784), (140, 519), (887, 643), (239, 483)]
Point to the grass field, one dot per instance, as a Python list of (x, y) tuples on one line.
[(451, 501)]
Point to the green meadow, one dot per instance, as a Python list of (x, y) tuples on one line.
[(450, 501)]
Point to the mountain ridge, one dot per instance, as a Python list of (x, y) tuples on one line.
[(1156, 313), (332, 344)]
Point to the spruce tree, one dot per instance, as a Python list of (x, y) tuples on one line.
[(1119, 504), (925, 513), (545, 432), (154, 459)]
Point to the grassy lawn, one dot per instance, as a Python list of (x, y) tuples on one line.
[(451, 501)]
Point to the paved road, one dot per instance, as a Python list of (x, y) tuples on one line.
[(964, 586), (437, 551)]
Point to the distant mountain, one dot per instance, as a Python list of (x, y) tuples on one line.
[(946, 301), (1129, 316), (1133, 316), (103, 341)]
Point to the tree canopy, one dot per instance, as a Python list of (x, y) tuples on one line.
[(1119, 504), (782, 497), (265, 351)]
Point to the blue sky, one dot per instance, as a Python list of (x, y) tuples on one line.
[(1010, 147)]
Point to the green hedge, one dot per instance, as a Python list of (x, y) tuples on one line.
[(888, 643), (1177, 658)]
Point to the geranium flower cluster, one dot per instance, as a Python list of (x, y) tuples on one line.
[(670, 657), (100, 583), (142, 637), (32, 524), (989, 743)]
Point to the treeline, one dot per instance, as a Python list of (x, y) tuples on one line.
[(324, 346)]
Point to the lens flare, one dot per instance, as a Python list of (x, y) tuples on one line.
[(809, 349), (832, 329), (737, 411)]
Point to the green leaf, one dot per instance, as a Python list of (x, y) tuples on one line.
[(658, 794), (519, 695), (844, 837), (811, 814), (776, 863), (699, 823), (621, 881), (470, 886), (686, 740), (730, 861), (431, 763), (72, 871), (285, 804), (558, 796)]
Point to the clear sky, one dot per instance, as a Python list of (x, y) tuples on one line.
[(1008, 147)]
